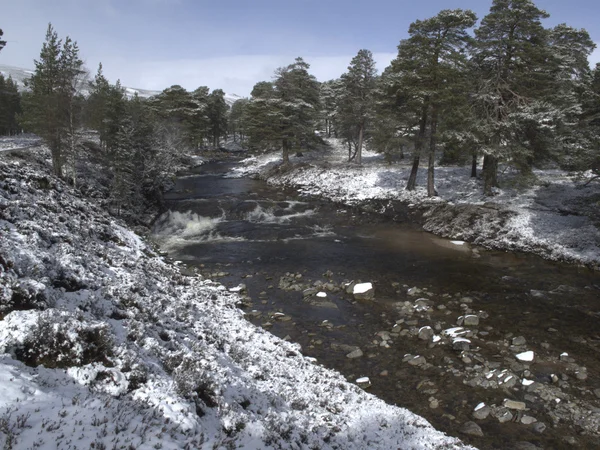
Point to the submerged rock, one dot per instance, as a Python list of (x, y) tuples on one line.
[(472, 429)]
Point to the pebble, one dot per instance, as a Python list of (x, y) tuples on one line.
[(472, 429), (504, 415), (426, 333), (416, 360), (528, 420), (482, 411), (355, 354), (519, 340), (597, 392), (434, 403), (513, 404), (471, 320), (539, 427)]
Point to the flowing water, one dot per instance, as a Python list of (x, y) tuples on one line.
[(274, 241)]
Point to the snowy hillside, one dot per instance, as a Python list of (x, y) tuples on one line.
[(19, 75), (104, 344)]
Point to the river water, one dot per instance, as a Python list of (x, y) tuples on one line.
[(278, 244)]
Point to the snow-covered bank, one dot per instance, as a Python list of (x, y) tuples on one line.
[(556, 217), (106, 345)]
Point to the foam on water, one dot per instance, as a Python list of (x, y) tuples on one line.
[(267, 215), (174, 230)]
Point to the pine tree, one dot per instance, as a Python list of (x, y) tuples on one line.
[(199, 126), (10, 106), (236, 124), (217, 116), (2, 43), (511, 52), (260, 117), (357, 101), (425, 72), (50, 108), (329, 94), (297, 106)]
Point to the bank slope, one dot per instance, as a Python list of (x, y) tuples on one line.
[(104, 344)]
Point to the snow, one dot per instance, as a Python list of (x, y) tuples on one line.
[(361, 288), (554, 217), (478, 407), (321, 294), (125, 351)]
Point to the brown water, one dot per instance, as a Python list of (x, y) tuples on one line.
[(244, 231)]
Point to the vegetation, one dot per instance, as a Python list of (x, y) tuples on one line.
[(506, 89)]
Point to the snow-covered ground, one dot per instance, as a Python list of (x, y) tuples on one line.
[(21, 141), (104, 344), (555, 217)]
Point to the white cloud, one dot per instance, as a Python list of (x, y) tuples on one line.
[(233, 74)]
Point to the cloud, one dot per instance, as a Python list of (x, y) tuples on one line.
[(233, 74)]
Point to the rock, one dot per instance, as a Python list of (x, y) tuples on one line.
[(472, 429), (414, 291), (513, 404), (423, 304), (503, 415), (384, 373), (539, 427), (426, 333), (363, 382), (309, 292), (597, 392), (519, 340), (434, 404), (481, 411), (471, 320), (355, 354), (528, 356), (461, 344), (523, 445), (363, 291), (528, 420), (415, 360)]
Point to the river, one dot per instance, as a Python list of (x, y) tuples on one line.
[(279, 244)]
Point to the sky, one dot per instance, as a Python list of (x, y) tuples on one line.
[(233, 44)]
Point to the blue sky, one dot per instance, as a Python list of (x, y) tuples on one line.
[(232, 44)]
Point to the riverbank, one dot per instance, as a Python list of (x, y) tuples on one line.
[(104, 343), (554, 214)]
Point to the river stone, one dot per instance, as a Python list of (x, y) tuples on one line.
[(415, 360), (525, 356), (597, 392), (461, 344), (523, 445), (355, 354), (363, 291), (539, 427), (519, 340), (413, 291), (471, 320), (426, 333), (513, 404), (482, 411), (309, 292), (528, 420), (472, 429), (503, 415)]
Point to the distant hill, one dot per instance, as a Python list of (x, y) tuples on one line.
[(19, 75)]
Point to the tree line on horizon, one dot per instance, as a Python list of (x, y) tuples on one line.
[(506, 89)]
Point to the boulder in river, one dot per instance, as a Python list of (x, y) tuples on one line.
[(472, 429), (363, 291)]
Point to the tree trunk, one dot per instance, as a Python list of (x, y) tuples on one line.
[(412, 179), (490, 174), (360, 143), (431, 164), (474, 165), (286, 152)]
